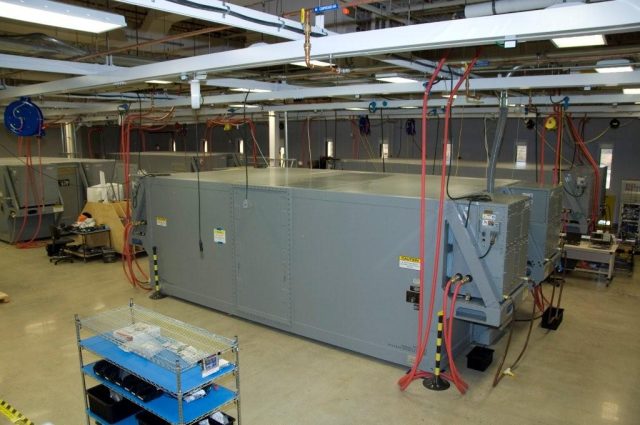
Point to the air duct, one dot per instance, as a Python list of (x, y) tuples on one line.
[(68, 133), (497, 142), (499, 7), (38, 44)]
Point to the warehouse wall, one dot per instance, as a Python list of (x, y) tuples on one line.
[(106, 143), (467, 135), (50, 144)]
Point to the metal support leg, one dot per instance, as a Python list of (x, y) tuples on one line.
[(84, 382)]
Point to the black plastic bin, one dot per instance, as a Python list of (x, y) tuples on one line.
[(479, 358), (146, 418), (101, 404)]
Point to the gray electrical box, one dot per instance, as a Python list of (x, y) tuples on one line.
[(329, 254), (545, 226), (580, 186)]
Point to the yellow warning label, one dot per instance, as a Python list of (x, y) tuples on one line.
[(161, 221), (405, 262), (219, 236)]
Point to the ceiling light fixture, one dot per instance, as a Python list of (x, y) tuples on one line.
[(613, 65), (632, 90), (579, 41), (408, 107), (312, 62), (55, 14), (245, 90), (355, 109), (196, 98), (158, 82), (394, 78), (241, 105)]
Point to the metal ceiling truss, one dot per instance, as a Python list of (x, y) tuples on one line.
[(387, 90), (598, 18), (25, 63)]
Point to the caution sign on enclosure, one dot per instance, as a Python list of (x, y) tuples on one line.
[(412, 263)]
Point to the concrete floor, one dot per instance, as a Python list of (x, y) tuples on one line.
[(588, 372)]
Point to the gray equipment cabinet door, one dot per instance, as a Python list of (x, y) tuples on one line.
[(263, 251)]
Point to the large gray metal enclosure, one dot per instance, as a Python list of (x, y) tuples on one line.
[(177, 162), (330, 254), (578, 180), (57, 194)]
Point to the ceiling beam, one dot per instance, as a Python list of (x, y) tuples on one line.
[(388, 89), (598, 18), (567, 81), (184, 115), (226, 13), (251, 84), (25, 63)]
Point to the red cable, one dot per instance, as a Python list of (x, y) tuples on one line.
[(128, 253), (422, 342), (355, 139), (448, 335), (596, 186), (25, 199), (557, 112), (38, 197), (543, 136)]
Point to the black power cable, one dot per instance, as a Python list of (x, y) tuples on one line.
[(197, 167), (244, 149)]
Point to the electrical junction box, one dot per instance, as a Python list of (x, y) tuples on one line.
[(545, 225)]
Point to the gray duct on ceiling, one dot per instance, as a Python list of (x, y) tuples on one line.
[(38, 44), (498, 7), (497, 142)]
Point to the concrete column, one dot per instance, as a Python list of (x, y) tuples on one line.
[(274, 138)]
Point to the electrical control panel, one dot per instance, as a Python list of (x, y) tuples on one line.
[(489, 228), (499, 242)]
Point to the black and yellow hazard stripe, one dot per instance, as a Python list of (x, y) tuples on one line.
[(156, 276), (13, 414), (436, 369)]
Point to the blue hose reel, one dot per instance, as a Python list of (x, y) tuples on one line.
[(24, 118)]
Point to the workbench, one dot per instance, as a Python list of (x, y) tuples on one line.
[(587, 251)]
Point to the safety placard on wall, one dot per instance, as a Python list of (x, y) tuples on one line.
[(161, 221), (411, 263), (219, 235)]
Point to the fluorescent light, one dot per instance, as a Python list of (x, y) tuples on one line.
[(356, 109), (45, 12), (245, 90), (447, 95), (240, 105), (579, 41), (394, 78), (613, 65), (408, 107), (158, 82), (196, 98), (633, 90), (312, 62)]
